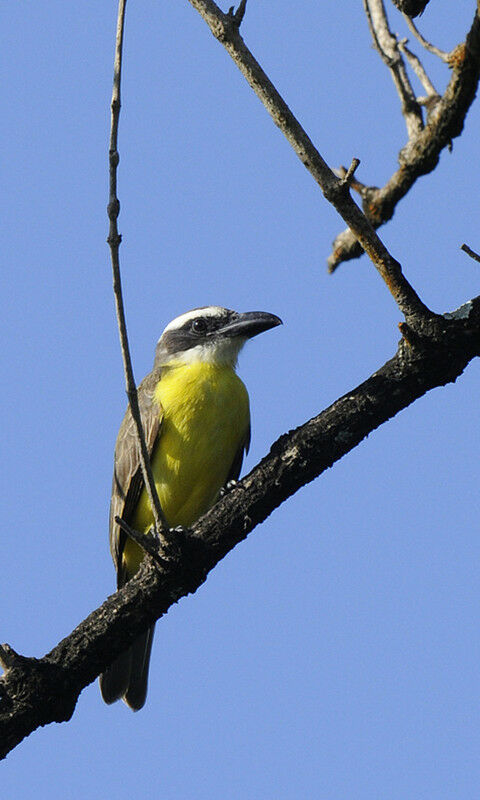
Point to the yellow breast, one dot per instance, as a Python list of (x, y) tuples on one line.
[(205, 421)]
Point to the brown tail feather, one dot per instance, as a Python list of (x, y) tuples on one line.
[(127, 677)]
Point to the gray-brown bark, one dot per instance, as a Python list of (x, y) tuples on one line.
[(445, 120), (35, 692)]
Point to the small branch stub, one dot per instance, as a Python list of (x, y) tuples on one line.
[(468, 250), (347, 178), (149, 542), (408, 335), (8, 657), (238, 15)]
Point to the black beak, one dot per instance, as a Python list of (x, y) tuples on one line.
[(249, 324)]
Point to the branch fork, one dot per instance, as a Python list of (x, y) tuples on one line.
[(445, 116), (238, 15)]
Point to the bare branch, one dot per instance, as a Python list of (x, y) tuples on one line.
[(354, 183), (468, 250), (335, 191), (114, 240), (147, 541), (238, 15), (348, 176), (387, 45), (427, 45), (420, 156), (420, 72), (35, 692)]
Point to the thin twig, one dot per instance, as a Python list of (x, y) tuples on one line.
[(354, 183), (387, 46), (147, 541), (418, 69), (427, 45), (114, 240), (445, 120), (468, 250), (348, 176), (238, 15)]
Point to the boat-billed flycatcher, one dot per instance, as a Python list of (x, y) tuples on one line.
[(196, 419)]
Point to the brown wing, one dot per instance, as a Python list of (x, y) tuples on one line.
[(238, 460), (127, 474)]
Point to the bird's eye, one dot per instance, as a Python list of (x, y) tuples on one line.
[(199, 325)]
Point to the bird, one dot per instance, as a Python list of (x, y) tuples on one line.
[(196, 419)]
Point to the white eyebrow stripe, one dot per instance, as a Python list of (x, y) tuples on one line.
[(208, 311)]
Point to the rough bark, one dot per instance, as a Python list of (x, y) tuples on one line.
[(35, 692), (445, 120)]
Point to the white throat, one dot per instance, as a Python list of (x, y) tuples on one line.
[(224, 352)]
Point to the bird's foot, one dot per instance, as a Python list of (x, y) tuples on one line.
[(227, 488), (181, 530)]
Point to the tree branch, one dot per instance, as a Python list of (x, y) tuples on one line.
[(334, 189), (35, 692), (419, 70), (468, 250), (114, 240), (387, 46), (445, 121), (431, 48)]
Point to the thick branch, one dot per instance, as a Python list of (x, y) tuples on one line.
[(35, 692), (445, 121)]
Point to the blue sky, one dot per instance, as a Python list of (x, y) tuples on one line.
[(335, 653)]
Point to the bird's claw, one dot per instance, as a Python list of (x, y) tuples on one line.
[(228, 488), (181, 530)]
